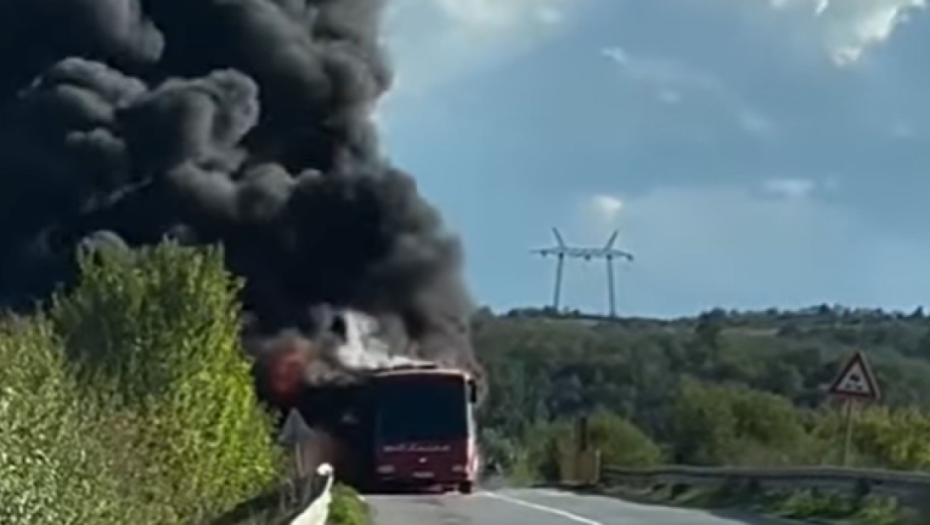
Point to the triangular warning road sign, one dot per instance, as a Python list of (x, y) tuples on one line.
[(856, 380), (295, 430)]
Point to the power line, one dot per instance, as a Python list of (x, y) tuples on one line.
[(562, 251)]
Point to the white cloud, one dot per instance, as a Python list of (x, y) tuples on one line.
[(438, 41), (607, 207), (848, 28), (903, 130), (669, 96), (493, 15), (673, 82), (790, 188), (705, 246), (661, 72), (754, 122)]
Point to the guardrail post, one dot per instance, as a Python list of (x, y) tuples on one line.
[(732, 487), (861, 490), (754, 487)]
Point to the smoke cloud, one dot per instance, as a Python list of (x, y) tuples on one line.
[(241, 121)]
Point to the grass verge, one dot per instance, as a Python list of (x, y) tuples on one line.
[(348, 507)]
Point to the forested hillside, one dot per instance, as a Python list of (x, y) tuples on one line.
[(723, 387)]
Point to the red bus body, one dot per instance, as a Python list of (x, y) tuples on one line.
[(424, 429)]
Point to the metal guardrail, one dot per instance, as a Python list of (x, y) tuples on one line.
[(914, 486), (317, 511), (300, 501)]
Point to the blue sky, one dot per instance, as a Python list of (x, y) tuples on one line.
[(752, 153)]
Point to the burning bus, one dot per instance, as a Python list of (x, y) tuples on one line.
[(393, 424), (424, 430)]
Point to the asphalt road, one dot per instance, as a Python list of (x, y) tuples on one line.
[(537, 507)]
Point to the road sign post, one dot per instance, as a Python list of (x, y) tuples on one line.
[(293, 436), (848, 424), (855, 383)]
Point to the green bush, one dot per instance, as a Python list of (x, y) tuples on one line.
[(547, 443), (621, 442), (347, 507), (49, 465), (130, 400), (730, 425)]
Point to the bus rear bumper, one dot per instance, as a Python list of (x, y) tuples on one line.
[(424, 482)]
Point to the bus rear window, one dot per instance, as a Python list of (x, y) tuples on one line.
[(421, 409)]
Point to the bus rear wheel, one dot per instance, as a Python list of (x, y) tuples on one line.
[(466, 487)]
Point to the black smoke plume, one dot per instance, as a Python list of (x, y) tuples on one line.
[(240, 121)]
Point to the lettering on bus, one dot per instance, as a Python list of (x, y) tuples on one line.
[(414, 447)]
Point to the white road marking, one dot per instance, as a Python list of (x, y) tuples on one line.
[(549, 493), (541, 508)]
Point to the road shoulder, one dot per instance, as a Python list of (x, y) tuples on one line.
[(754, 513), (606, 508)]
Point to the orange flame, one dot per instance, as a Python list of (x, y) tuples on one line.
[(288, 363)]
